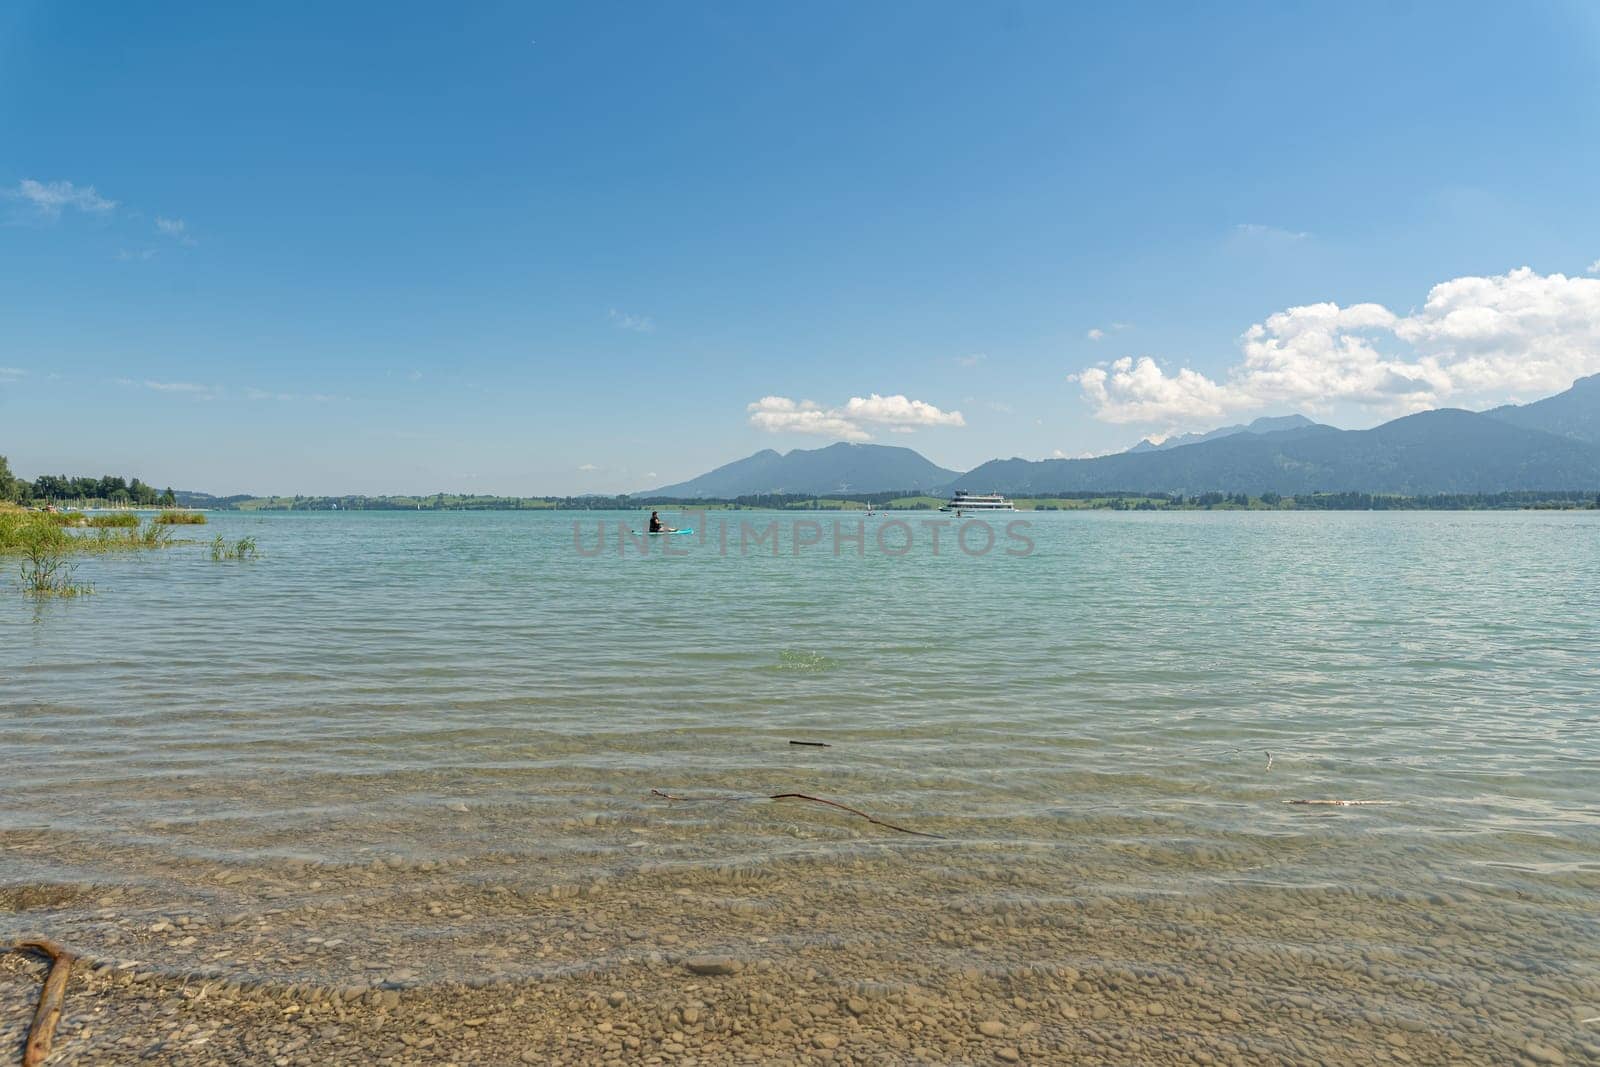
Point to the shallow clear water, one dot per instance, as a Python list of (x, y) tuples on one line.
[(411, 731)]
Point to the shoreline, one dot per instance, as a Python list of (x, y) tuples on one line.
[(662, 1012)]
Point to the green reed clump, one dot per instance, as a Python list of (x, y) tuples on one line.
[(244, 548), (23, 530), (181, 518), (45, 570), (114, 520)]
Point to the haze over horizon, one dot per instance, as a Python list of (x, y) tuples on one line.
[(381, 250)]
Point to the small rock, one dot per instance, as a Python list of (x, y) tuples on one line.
[(1010, 1055), (856, 1006), (711, 965), (991, 1028), (617, 999), (1542, 1053), (827, 1040), (691, 1016)]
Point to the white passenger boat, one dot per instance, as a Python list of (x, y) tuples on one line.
[(963, 502)]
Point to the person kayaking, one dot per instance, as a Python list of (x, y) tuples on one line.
[(656, 525)]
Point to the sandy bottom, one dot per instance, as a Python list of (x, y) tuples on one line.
[(831, 962)]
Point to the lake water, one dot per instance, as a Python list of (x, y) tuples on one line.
[(414, 748)]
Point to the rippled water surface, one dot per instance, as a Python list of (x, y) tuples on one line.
[(434, 737)]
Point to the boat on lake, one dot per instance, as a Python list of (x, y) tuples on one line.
[(962, 502)]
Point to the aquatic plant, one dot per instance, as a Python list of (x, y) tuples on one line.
[(46, 571), (244, 548), (115, 519), (181, 518)]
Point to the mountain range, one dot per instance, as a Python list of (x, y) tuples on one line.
[(840, 468), (1550, 444), (1265, 424)]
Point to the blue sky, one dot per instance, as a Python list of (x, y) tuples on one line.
[(532, 248)]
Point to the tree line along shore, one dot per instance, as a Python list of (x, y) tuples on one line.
[(114, 491), (911, 500)]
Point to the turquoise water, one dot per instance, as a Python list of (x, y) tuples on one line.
[(398, 725)]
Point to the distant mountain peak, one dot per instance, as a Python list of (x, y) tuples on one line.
[(1264, 424), (1573, 414), (842, 467)]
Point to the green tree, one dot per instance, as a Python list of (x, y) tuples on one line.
[(10, 487), (169, 499)]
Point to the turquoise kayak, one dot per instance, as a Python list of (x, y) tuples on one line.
[(670, 533)]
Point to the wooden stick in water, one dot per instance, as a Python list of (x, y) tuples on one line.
[(1337, 803), (42, 1033), (812, 744), (805, 796)]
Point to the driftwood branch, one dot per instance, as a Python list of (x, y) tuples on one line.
[(1337, 803), (812, 744), (42, 1033), (803, 796)]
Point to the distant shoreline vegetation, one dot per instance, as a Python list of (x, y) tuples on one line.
[(911, 500), (114, 491)]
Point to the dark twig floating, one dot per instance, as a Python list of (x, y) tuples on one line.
[(804, 796), (1337, 803), (812, 744), (43, 1031)]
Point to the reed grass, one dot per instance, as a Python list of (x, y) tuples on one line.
[(242, 549), (181, 518), (45, 570)]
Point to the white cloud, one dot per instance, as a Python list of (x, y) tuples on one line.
[(973, 360), (267, 394), (199, 392), (140, 256), (1594, 268), (49, 198), (176, 229), (1099, 334), (11, 374), (636, 323), (1475, 340), (179, 387), (587, 467), (1256, 232), (898, 414)]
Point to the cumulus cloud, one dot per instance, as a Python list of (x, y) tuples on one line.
[(1475, 340), (636, 323), (1095, 334), (1594, 268), (48, 199), (587, 467), (854, 421)]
